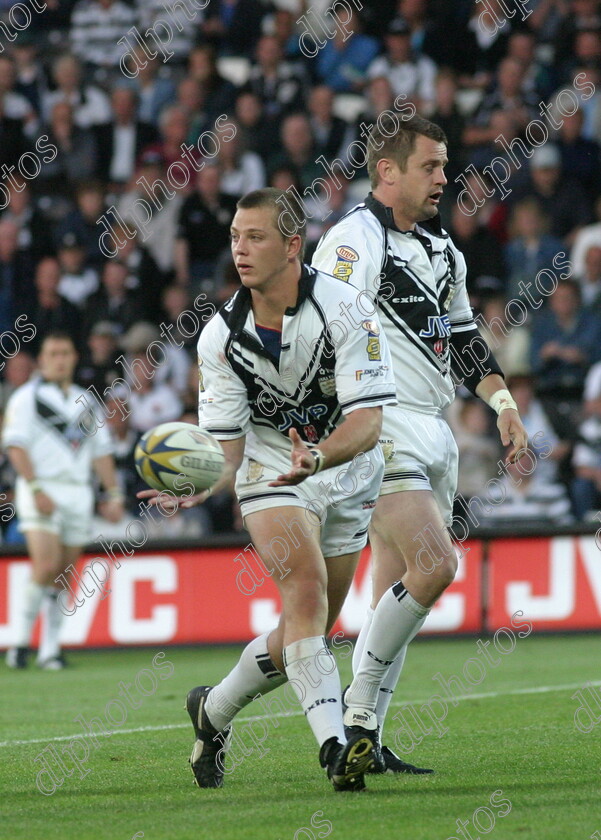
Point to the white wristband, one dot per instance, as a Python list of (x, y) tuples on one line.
[(320, 460), (502, 399)]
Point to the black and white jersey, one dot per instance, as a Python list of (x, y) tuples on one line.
[(333, 361), (59, 436), (418, 280)]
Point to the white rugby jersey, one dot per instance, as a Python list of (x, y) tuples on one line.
[(51, 427), (330, 365), (419, 277)]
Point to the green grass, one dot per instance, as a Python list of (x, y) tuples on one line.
[(522, 743)]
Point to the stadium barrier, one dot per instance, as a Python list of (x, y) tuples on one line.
[(182, 594)]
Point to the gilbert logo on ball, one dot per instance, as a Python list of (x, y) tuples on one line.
[(174, 455)]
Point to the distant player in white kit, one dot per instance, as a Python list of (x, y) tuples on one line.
[(393, 246), (53, 452)]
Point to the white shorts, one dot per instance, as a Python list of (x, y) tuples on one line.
[(420, 454), (343, 498), (71, 519)]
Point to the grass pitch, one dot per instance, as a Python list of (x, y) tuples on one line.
[(514, 733)]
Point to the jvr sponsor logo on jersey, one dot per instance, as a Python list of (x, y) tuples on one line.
[(345, 257), (374, 354), (439, 326)]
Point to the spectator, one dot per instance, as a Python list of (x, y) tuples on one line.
[(172, 369), (143, 273), (83, 221), (278, 83), (233, 27), (343, 60), (16, 269), (538, 78), (586, 462), (258, 133), (152, 90), (566, 341), (149, 183), (123, 440), (151, 402), (447, 115), (527, 499), (510, 344), (97, 28), (298, 150), (175, 301), (49, 310), (121, 140), (12, 104), (76, 153), (98, 366), (482, 252), (479, 50), (411, 75), (584, 239), (35, 239), (183, 30), (203, 230), (478, 449), (241, 171), (17, 371), (78, 281), (530, 247), (580, 158), (218, 93), (331, 134), (113, 301), (590, 280), (191, 98), (90, 105), (30, 78), (174, 130), (562, 200)]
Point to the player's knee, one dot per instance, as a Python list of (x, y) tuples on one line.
[(446, 570), (308, 596)]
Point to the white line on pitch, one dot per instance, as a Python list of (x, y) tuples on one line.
[(540, 689)]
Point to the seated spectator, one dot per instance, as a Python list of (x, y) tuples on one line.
[(153, 92), (586, 461), (343, 61), (579, 16), (78, 280), (14, 105), (97, 28), (563, 200), (82, 221), (550, 451), (566, 341), (591, 106), (16, 270), (113, 302), (479, 49), (584, 238), (278, 83), (191, 98), (76, 155), (331, 134), (97, 367), (14, 143), (482, 252), (218, 93), (510, 344), (18, 369), (241, 171), (538, 78), (175, 301), (233, 27), (587, 51), (183, 30), (151, 402), (34, 235), (170, 368), (530, 247), (580, 158), (124, 440), (49, 310), (150, 183), (410, 74), (590, 280), (30, 76), (478, 448), (203, 230), (258, 133), (143, 273), (298, 150), (90, 105), (447, 115), (527, 499), (174, 129), (121, 139)]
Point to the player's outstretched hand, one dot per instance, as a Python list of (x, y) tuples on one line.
[(303, 463), (170, 502), (512, 431)]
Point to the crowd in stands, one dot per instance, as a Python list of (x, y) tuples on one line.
[(102, 115)]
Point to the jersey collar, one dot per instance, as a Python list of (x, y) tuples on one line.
[(385, 216)]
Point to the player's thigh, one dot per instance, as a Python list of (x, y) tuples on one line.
[(44, 549), (70, 554)]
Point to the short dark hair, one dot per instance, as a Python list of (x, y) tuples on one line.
[(57, 335), (284, 204), (394, 137)]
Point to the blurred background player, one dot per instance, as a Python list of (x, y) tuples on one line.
[(53, 448)]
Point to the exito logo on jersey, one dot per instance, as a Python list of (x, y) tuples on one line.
[(439, 326), (374, 353), (344, 262)]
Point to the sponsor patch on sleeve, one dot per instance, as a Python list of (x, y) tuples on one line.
[(345, 257)]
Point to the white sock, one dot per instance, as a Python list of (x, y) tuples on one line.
[(29, 612), (396, 620), (313, 673), (360, 643), (53, 618), (253, 674)]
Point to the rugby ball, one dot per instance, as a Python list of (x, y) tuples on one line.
[(175, 454)]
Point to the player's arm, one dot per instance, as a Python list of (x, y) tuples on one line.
[(492, 390), (22, 465), (343, 251), (113, 507)]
